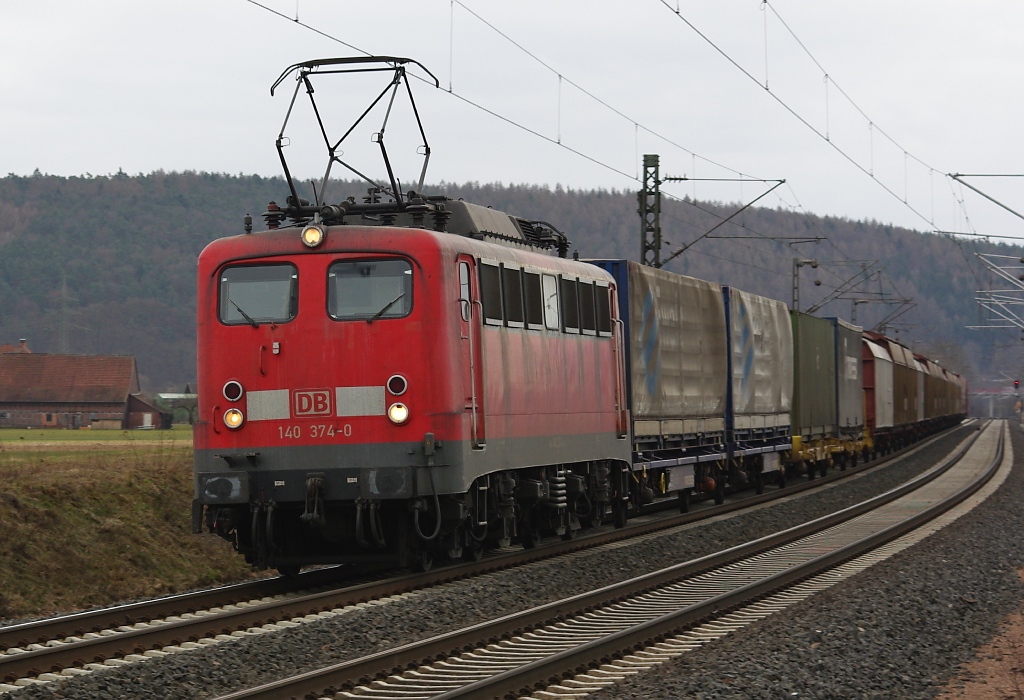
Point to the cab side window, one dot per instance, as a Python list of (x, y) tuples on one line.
[(465, 300)]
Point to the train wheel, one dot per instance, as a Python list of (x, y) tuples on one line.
[(812, 469), (530, 537), (759, 483), (422, 560), (684, 501), (823, 468), (474, 551), (529, 531), (289, 570), (782, 476), (720, 490)]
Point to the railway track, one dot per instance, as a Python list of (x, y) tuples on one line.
[(590, 640), (39, 651)]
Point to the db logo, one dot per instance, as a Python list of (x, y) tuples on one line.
[(312, 402)]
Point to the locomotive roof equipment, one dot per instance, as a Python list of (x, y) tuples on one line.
[(387, 203)]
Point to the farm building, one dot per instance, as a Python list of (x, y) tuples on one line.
[(39, 390), (22, 346)]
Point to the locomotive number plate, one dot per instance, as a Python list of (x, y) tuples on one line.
[(322, 430)]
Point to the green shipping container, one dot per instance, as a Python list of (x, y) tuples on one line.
[(814, 375)]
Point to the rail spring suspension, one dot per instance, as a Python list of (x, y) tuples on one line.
[(558, 491)]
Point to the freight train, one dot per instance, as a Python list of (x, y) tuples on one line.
[(413, 377)]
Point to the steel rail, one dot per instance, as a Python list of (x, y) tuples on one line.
[(72, 650), (562, 666), (44, 630), (385, 663)]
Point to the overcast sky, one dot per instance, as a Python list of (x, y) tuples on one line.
[(936, 87)]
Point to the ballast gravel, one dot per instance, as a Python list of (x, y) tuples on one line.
[(895, 631)]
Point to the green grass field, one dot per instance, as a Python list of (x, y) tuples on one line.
[(177, 433)]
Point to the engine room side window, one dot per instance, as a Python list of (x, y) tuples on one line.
[(588, 322), (369, 289), (570, 306), (512, 293), (604, 309), (490, 294), (254, 294), (534, 300), (549, 290)]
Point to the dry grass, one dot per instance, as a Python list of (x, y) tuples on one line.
[(89, 526)]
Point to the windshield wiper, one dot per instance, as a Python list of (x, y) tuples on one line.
[(247, 316), (384, 310)]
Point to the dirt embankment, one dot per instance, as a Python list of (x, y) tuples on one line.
[(86, 525)]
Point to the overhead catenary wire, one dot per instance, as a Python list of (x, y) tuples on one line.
[(557, 140), (824, 136)]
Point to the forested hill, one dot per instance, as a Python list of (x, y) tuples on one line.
[(107, 264)]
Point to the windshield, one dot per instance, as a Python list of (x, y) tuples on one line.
[(255, 294), (369, 289)]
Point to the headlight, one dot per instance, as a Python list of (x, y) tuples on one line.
[(398, 413), (233, 418), (312, 236)]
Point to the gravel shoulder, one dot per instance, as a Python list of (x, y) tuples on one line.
[(837, 641), (899, 630)]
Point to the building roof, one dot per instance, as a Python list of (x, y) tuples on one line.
[(43, 378), (21, 347)]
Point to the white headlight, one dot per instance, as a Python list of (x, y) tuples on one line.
[(312, 236), (233, 418), (398, 413)]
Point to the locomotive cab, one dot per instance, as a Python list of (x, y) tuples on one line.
[(377, 397)]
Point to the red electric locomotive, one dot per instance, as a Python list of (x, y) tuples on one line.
[(402, 379)]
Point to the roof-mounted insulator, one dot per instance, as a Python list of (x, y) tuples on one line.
[(441, 216), (273, 216), (248, 223), (418, 212)]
